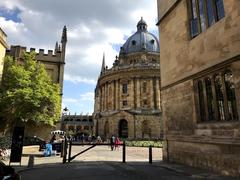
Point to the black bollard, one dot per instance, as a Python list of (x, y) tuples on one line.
[(31, 161), (150, 154), (65, 150), (69, 151), (124, 152)]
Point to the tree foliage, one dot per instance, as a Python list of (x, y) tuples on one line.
[(27, 93)]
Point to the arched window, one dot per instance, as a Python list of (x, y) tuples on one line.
[(231, 98), (219, 97), (201, 100), (123, 128), (125, 88), (210, 103)]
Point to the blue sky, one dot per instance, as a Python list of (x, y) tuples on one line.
[(94, 27)]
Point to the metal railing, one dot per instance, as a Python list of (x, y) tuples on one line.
[(67, 145)]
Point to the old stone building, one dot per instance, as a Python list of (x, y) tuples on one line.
[(54, 61), (200, 82), (127, 96), (77, 124), (3, 47)]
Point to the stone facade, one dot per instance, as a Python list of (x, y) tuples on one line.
[(200, 110), (78, 124), (54, 61), (127, 96), (3, 47)]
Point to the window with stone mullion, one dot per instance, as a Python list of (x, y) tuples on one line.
[(231, 97), (205, 13), (210, 102), (220, 97), (202, 112)]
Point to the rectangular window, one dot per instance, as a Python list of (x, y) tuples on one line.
[(124, 88), (204, 13), (124, 103), (216, 98)]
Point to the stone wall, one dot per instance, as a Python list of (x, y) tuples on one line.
[(211, 145), (135, 126), (188, 56), (3, 46)]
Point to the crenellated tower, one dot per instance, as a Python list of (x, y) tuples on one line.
[(54, 61)]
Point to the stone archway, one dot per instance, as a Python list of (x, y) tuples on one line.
[(123, 128)]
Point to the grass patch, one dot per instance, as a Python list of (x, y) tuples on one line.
[(144, 143)]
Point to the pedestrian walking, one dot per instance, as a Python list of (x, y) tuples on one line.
[(112, 142), (99, 140), (117, 142)]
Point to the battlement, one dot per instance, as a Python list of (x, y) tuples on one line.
[(17, 52)]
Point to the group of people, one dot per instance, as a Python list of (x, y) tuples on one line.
[(114, 141)]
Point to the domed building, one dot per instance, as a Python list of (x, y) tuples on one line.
[(127, 95)]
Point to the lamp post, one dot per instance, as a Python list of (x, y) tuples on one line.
[(64, 112)]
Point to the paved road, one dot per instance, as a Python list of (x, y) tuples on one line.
[(101, 171), (103, 164)]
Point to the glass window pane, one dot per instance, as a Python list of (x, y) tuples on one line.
[(210, 12), (124, 88), (231, 98), (201, 101), (194, 9), (202, 15), (209, 99), (220, 9), (219, 96)]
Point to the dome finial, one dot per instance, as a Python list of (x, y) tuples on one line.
[(142, 25)]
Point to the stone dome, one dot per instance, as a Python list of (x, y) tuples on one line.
[(141, 41)]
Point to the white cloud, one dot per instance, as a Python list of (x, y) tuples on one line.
[(89, 96), (93, 26), (77, 79)]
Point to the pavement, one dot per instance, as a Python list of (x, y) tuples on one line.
[(101, 163)]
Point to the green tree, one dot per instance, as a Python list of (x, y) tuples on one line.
[(28, 94)]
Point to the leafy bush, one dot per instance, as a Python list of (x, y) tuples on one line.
[(5, 142), (141, 143)]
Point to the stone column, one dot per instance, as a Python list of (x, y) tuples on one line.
[(102, 98), (112, 96), (157, 89), (131, 93), (134, 93), (138, 98), (106, 96), (151, 94), (117, 95)]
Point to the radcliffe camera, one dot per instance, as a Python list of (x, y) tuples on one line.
[(119, 89)]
